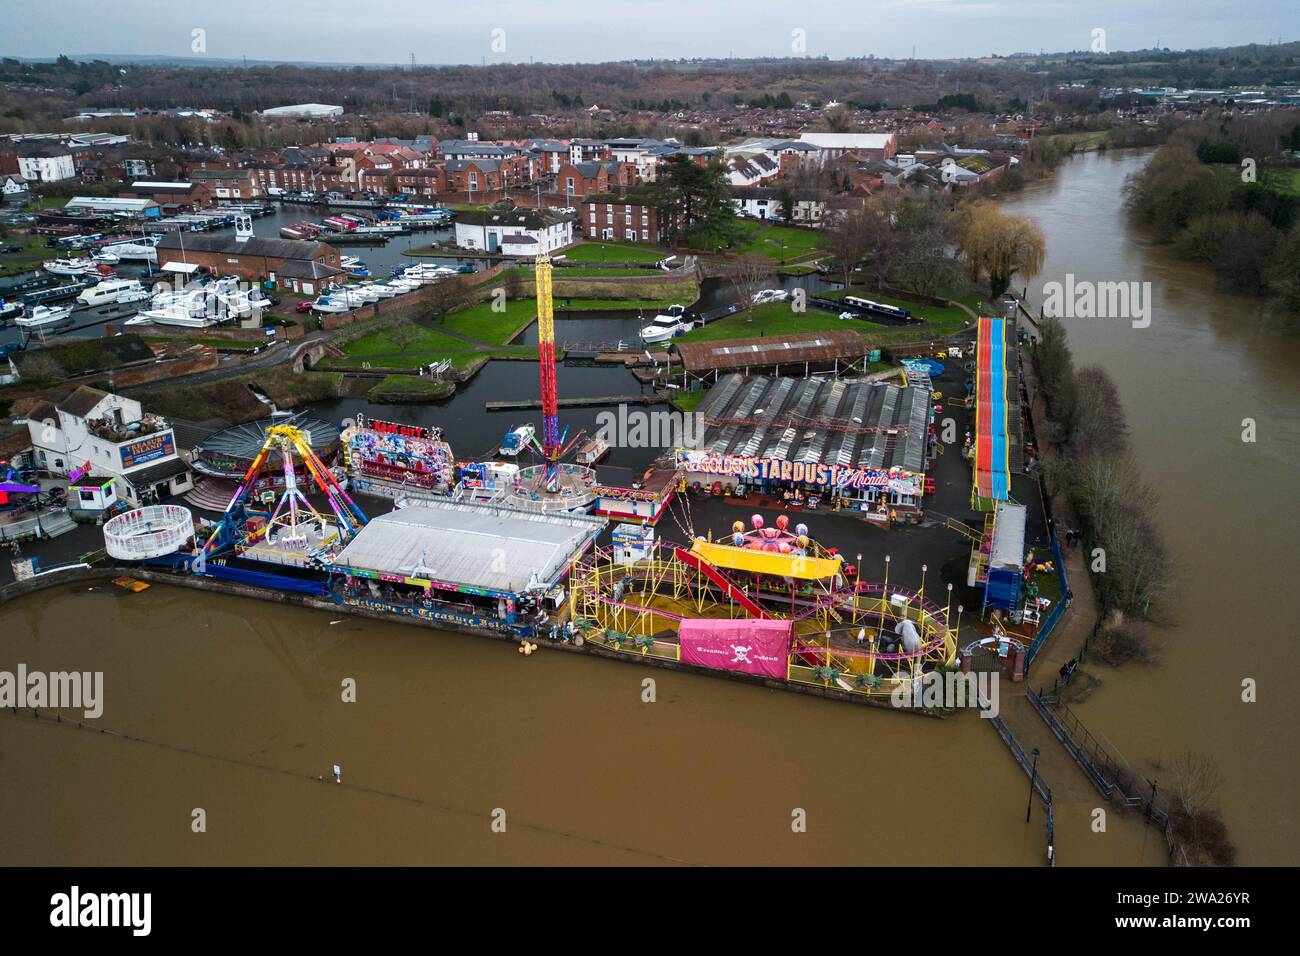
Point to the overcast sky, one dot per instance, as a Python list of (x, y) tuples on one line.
[(462, 31)]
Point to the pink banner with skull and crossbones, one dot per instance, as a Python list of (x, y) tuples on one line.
[(749, 645)]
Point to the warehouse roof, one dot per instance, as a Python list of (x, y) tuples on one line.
[(860, 424), (491, 548), (229, 245), (770, 350)]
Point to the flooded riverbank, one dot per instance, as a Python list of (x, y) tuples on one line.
[(1228, 508)]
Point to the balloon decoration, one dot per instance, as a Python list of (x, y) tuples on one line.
[(527, 647), (776, 537)]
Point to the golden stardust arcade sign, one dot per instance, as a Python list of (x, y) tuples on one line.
[(843, 477)]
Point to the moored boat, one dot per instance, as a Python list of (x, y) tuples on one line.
[(516, 440)]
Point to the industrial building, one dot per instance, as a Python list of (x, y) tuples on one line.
[(303, 111)]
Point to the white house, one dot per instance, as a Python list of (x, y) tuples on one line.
[(106, 436), (513, 231), (45, 162), (13, 187)]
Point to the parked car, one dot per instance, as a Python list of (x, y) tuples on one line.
[(303, 306)]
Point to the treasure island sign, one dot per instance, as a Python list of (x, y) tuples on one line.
[(839, 477)]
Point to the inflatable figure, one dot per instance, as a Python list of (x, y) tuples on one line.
[(910, 637)]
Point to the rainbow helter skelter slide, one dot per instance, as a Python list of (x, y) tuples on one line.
[(992, 445)]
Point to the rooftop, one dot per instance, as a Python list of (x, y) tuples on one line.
[(863, 424), (494, 549), (770, 350)]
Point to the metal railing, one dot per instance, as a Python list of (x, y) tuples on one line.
[(1039, 784)]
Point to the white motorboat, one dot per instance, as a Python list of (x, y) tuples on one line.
[(329, 304), (106, 257), (665, 325), (132, 296), (69, 267), (45, 317), (11, 308), (109, 290), (177, 314), (847, 315), (383, 290), (142, 249), (517, 439), (354, 296)]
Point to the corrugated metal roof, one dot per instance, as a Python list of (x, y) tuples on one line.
[(770, 350), (478, 546), (766, 417)]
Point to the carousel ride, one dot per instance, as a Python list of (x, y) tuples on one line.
[(287, 529), (844, 632), (553, 485)]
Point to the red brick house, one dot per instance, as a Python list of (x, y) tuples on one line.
[(625, 218), (421, 181)]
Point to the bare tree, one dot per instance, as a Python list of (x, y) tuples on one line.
[(404, 334), (850, 237), (746, 278)]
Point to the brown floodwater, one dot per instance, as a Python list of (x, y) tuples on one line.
[(237, 704), (234, 706), (1229, 508)]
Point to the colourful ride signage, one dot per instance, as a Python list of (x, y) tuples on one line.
[(744, 468)]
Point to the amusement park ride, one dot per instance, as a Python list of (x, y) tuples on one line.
[(288, 530), (769, 601), (554, 485)]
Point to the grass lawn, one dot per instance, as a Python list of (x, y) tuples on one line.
[(494, 328), (771, 318), (942, 318), (777, 318), (614, 252), (779, 243), (382, 343), (563, 304), (409, 388), (34, 252), (1284, 181), (596, 271), (688, 401)]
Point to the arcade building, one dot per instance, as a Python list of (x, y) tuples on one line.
[(860, 446)]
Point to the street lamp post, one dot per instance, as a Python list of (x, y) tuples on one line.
[(1033, 779)]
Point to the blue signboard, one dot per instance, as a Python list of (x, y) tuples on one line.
[(144, 450)]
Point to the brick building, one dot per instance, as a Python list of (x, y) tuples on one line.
[(627, 218), (294, 265)]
